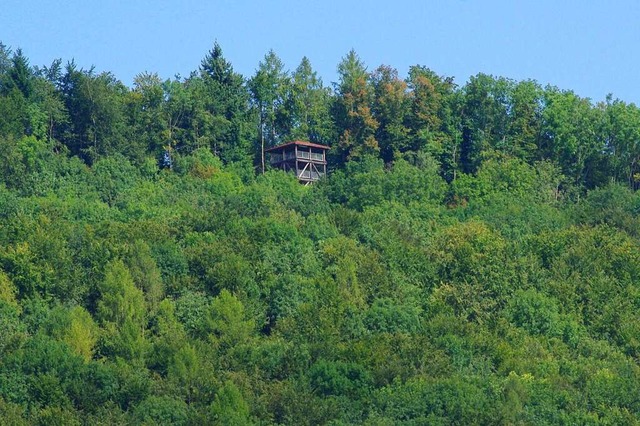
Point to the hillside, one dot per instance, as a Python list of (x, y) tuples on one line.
[(472, 258)]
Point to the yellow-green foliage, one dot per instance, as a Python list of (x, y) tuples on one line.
[(8, 291), (82, 333), (120, 300)]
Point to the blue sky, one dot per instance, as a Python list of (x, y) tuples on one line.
[(589, 46)]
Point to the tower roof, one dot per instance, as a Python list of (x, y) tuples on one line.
[(299, 143)]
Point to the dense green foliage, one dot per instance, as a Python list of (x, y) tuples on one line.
[(473, 258)]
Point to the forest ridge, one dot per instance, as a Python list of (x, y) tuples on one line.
[(91, 115), (473, 256)]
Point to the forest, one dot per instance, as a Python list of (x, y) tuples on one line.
[(473, 256)]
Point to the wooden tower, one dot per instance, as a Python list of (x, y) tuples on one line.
[(307, 160)]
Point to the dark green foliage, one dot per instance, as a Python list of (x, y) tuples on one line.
[(339, 378), (161, 410), (445, 401), (96, 113)]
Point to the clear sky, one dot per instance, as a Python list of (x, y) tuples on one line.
[(589, 46)]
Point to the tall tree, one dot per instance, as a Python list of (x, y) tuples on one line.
[(176, 109), (391, 110), (96, 110), (525, 120), (484, 117), (18, 114), (621, 129), (226, 106), (570, 135), (49, 97), (5, 61), (268, 89), (215, 66), (352, 110), (20, 74), (434, 122), (146, 110), (307, 108)]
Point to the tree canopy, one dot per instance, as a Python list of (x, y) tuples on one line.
[(473, 256)]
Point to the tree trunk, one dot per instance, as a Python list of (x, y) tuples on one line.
[(262, 138)]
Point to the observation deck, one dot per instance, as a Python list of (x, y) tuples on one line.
[(306, 159)]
